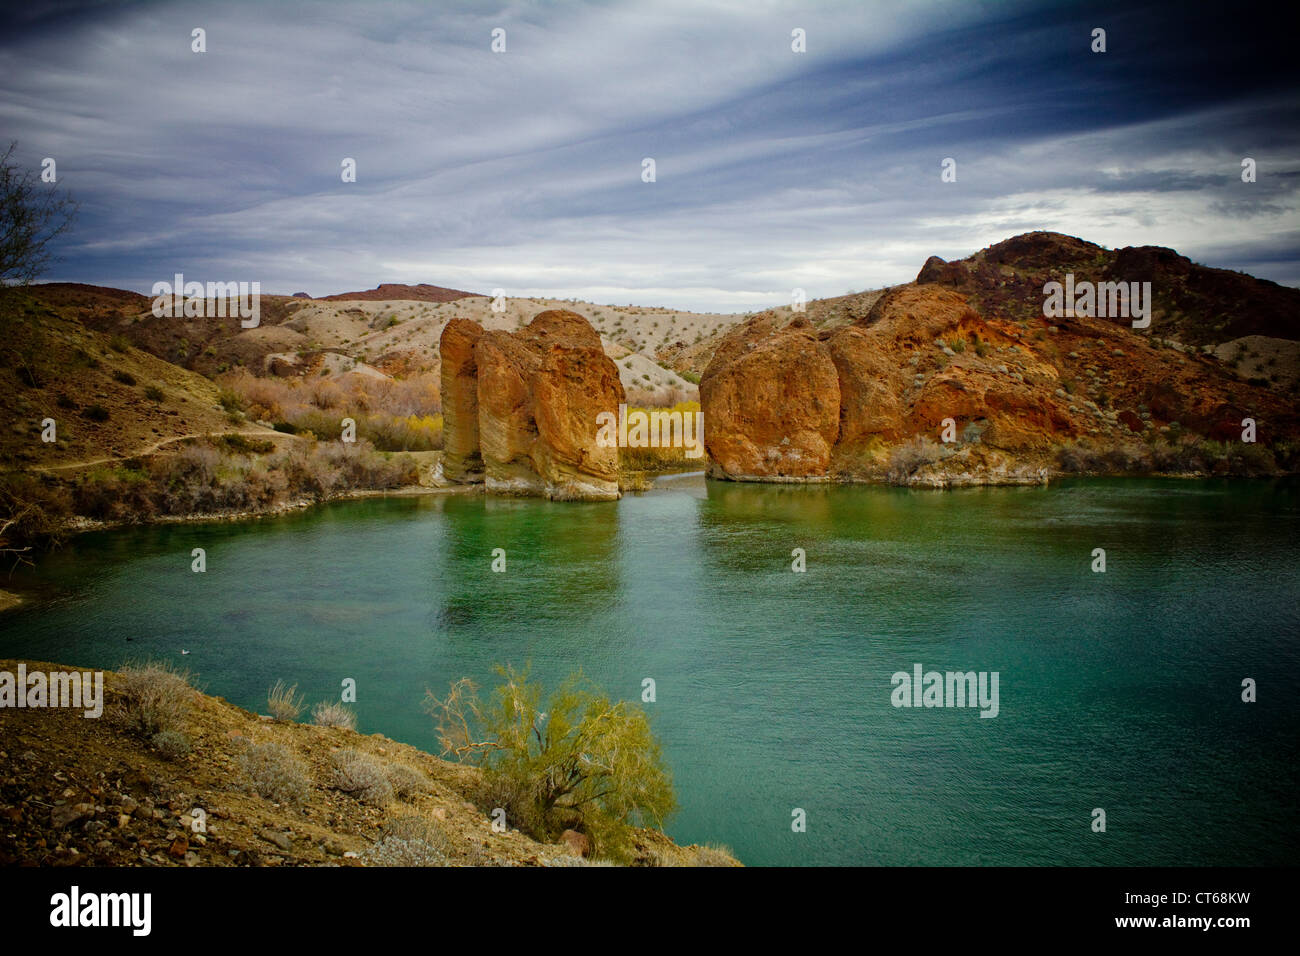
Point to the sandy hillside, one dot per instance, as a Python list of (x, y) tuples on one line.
[(660, 352)]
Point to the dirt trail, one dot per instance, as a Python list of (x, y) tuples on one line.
[(150, 449)]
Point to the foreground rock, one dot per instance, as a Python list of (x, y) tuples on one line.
[(520, 408)]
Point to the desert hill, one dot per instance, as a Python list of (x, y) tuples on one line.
[(386, 338), (391, 291), (813, 397), (108, 399)]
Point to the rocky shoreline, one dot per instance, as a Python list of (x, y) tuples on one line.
[(91, 792)]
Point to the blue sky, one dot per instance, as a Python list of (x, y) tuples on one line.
[(522, 170)]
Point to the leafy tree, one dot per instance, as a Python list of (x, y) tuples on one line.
[(575, 760)]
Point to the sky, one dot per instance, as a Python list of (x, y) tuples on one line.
[(522, 170)]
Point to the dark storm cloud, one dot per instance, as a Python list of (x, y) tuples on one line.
[(522, 170)]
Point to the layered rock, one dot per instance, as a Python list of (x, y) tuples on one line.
[(571, 388), (530, 400)]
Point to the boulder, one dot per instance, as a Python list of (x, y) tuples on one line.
[(520, 408), (576, 843), (571, 388), (771, 403), (507, 429)]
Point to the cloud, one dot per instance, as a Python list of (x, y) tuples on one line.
[(522, 170)]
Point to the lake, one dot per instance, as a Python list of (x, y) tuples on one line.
[(1119, 690)]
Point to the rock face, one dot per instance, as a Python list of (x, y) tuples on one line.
[(787, 403), (937, 386), (771, 398), (520, 408), (462, 462)]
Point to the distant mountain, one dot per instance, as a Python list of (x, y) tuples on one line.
[(394, 292)]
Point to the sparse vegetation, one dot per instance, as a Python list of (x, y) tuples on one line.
[(172, 744), (334, 714), (393, 415), (272, 771), (406, 781), (218, 475), (361, 776), (156, 696), (906, 459), (714, 855), (284, 702)]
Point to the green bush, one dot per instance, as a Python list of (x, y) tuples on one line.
[(153, 393), (230, 401), (242, 444), (574, 760), (126, 378)]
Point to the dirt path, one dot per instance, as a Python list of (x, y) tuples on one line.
[(150, 449)]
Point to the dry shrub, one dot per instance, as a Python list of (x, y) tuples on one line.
[(171, 744), (394, 415), (907, 458), (418, 827), (393, 851), (272, 771), (156, 696), (333, 714), (362, 776), (571, 859), (406, 780), (714, 855), (285, 703)]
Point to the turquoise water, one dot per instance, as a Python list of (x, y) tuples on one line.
[(1118, 690)]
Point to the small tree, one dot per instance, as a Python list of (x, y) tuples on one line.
[(584, 762), (32, 214)]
